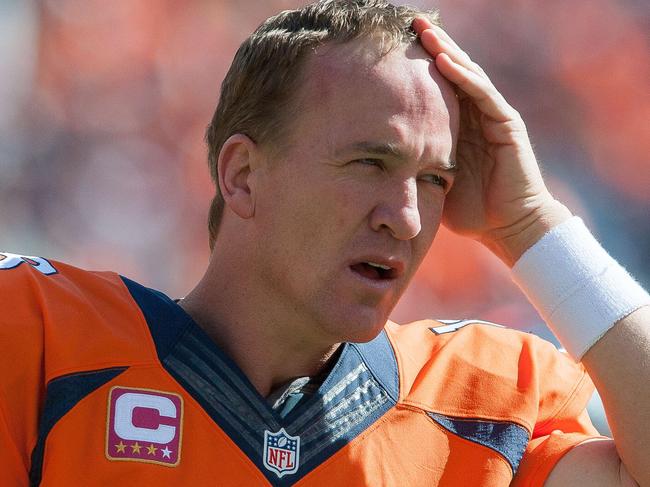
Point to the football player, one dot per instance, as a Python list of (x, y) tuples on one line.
[(346, 133)]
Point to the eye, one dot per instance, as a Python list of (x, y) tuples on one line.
[(435, 179), (370, 162)]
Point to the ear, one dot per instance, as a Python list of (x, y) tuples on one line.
[(236, 161)]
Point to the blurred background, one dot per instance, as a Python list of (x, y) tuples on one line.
[(103, 106)]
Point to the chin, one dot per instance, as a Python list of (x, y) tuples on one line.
[(366, 337), (364, 328)]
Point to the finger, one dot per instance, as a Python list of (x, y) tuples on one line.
[(435, 44), (457, 66), (439, 31), (505, 133), (482, 92), (419, 24)]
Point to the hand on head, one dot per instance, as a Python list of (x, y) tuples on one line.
[(499, 196)]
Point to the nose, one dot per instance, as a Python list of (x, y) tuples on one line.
[(397, 211)]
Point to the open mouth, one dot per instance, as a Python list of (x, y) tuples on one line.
[(374, 271)]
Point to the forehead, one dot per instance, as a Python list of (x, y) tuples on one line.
[(351, 90)]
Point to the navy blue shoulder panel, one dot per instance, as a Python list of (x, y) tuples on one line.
[(508, 439), (380, 358), (62, 394), (167, 321)]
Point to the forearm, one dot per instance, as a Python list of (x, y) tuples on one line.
[(582, 293), (619, 365)]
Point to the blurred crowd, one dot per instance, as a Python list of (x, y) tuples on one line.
[(103, 106)]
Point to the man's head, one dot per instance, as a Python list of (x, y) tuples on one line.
[(328, 216), (259, 94)]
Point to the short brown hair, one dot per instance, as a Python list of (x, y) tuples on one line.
[(257, 92)]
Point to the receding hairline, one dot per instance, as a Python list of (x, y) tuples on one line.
[(288, 38), (310, 68)]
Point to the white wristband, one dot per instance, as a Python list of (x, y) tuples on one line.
[(576, 286)]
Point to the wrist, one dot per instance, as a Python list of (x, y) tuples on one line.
[(576, 286), (510, 243)]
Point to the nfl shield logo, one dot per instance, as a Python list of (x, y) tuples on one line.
[(281, 452)]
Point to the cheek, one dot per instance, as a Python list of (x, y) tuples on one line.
[(309, 219), (431, 206), (430, 216), (345, 207), (337, 201)]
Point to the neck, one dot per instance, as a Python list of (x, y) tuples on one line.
[(254, 333)]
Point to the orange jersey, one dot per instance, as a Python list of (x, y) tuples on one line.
[(106, 382)]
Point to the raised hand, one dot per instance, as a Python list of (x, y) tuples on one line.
[(499, 196)]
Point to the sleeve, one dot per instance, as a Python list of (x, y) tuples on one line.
[(21, 382), (13, 471), (563, 422), (544, 452)]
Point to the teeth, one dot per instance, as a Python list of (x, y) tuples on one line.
[(380, 266)]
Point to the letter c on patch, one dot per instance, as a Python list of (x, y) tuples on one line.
[(124, 427)]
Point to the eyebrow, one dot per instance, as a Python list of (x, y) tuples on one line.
[(390, 149)]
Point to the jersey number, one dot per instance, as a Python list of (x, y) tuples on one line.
[(455, 325), (11, 261)]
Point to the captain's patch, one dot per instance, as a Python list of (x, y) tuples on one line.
[(144, 426)]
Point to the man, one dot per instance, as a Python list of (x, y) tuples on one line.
[(341, 131)]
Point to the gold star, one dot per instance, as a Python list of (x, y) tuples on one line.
[(136, 448), (151, 450), (120, 447)]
